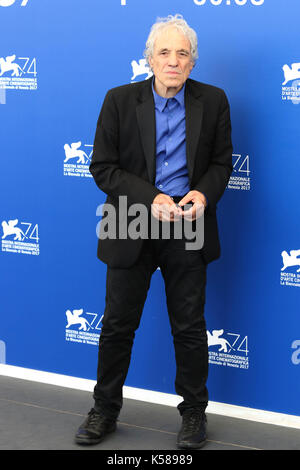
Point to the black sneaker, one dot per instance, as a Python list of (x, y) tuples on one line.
[(95, 427), (192, 434)]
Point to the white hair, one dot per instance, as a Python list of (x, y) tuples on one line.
[(177, 21)]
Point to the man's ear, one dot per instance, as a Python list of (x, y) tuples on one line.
[(150, 62)]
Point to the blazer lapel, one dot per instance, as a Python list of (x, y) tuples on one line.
[(145, 113), (193, 124)]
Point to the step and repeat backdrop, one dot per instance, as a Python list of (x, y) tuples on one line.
[(57, 61)]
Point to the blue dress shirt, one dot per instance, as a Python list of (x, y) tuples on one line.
[(171, 168)]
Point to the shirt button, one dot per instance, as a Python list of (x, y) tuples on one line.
[(166, 163), (160, 185)]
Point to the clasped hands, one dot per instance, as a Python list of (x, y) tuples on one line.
[(164, 208)]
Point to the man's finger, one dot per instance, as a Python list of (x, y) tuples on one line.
[(184, 201), (166, 212), (194, 212)]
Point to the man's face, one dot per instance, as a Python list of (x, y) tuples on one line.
[(171, 61)]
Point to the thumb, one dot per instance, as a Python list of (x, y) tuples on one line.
[(183, 201)]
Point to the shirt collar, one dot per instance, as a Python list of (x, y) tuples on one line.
[(160, 102)]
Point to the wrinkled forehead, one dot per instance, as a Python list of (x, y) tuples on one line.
[(171, 37)]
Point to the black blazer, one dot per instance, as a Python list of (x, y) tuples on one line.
[(123, 161)]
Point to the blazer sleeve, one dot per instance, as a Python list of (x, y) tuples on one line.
[(214, 181), (105, 164)]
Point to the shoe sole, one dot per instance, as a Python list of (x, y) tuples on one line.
[(88, 441), (190, 445)]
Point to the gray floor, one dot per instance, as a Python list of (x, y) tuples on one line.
[(36, 416)]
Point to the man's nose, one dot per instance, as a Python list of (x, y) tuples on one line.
[(173, 61)]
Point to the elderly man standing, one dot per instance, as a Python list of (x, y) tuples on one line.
[(165, 143)]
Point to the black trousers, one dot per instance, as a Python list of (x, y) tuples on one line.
[(184, 274)]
